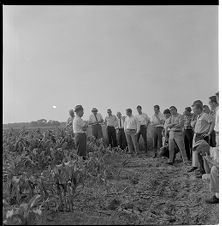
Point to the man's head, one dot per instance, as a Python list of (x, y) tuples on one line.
[(187, 110), (94, 111), (206, 109), (197, 102), (71, 113), (139, 109), (79, 110), (213, 102), (197, 108), (118, 114), (217, 96), (109, 112), (173, 110), (129, 112), (156, 109), (166, 113)]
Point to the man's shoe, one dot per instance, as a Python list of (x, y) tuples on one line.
[(155, 155), (192, 169), (170, 163), (212, 200)]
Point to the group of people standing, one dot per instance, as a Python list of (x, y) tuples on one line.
[(191, 134)]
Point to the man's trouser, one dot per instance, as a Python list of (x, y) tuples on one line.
[(195, 160), (201, 151), (121, 138), (217, 139), (212, 141), (157, 138), (80, 140), (214, 179), (111, 132), (143, 132), (132, 141), (97, 131), (188, 139), (178, 139)]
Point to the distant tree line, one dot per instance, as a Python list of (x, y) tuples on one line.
[(38, 123)]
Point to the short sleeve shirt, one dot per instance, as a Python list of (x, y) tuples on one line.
[(203, 123)]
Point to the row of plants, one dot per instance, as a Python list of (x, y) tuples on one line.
[(41, 172)]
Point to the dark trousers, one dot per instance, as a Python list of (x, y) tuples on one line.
[(111, 132), (213, 139), (188, 139), (121, 137), (80, 140), (97, 131), (143, 132), (157, 138)]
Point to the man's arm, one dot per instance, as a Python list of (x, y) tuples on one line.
[(137, 126), (181, 123)]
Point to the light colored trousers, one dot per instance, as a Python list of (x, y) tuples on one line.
[(214, 179), (132, 140), (178, 139)]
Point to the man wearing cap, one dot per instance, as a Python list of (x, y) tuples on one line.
[(121, 137), (203, 128), (144, 121), (95, 120), (69, 123), (131, 128), (176, 124), (188, 131), (157, 123), (79, 129), (111, 123)]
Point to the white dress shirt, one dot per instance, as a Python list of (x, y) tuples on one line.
[(78, 125), (92, 118), (216, 127), (111, 120), (143, 119), (122, 123), (155, 121), (132, 123)]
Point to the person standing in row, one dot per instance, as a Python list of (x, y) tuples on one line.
[(111, 123), (213, 105), (79, 129), (188, 131), (69, 123), (121, 137), (144, 121), (157, 123), (176, 124), (131, 128), (202, 130), (95, 119)]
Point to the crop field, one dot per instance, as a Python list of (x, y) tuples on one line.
[(45, 182)]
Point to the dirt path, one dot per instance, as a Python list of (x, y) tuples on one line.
[(147, 192)]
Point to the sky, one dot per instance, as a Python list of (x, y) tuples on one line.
[(106, 57)]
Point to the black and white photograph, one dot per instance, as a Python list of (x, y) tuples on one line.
[(110, 115)]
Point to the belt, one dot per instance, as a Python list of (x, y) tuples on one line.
[(143, 126), (80, 133), (131, 129), (188, 127), (176, 131)]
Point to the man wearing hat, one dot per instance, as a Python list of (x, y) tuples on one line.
[(175, 124), (188, 131), (79, 129), (95, 120)]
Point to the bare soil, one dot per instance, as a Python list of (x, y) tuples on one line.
[(147, 191)]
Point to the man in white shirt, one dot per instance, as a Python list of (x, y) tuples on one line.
[(176, 124), (69, 123), (111, 123), (95, 120), (157, 123), (121, 137), (79, 129), (144, 121), (214, 171), (131, 128)]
